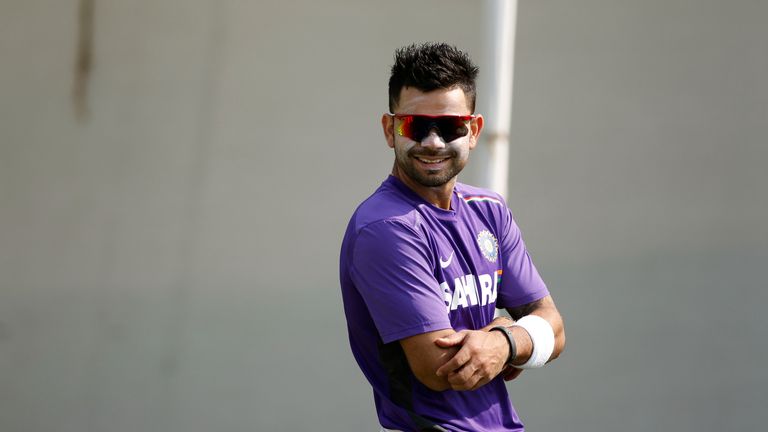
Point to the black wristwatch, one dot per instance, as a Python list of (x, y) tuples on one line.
[(511, 340)]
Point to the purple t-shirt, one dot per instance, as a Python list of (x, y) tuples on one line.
[(408, 267)]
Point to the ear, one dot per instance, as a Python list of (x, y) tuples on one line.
[(476, 126), (388, 126)]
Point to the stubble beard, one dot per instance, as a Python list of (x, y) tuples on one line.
[(432, 178)]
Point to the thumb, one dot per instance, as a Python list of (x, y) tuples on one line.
[(451, 340)]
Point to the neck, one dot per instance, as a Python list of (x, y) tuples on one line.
[(439, 196)]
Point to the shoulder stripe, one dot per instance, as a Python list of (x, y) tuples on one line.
[(480, 198)]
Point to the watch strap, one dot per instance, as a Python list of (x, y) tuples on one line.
[(510, 340)]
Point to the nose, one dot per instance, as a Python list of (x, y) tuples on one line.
[(433, 140)]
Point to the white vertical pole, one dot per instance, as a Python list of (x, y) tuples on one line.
[(502, 20)]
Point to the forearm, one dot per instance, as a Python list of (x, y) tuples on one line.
[(461, 360), (546, 309), (438, 358), (555, 320), (522, 340), (425, 357), (499, 321)]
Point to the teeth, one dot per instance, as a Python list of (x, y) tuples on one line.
[(429, 161)]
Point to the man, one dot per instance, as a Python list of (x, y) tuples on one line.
[(426, 260)]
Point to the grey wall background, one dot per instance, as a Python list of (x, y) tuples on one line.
[(170, 263)]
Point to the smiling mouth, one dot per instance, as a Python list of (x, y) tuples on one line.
[(430, 161)]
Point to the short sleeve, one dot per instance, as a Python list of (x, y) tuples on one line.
[(392, 270), (520, 281)]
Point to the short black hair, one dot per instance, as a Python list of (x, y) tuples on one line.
[(431, 66)]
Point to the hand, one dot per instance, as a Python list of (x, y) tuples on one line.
[(481, 357)]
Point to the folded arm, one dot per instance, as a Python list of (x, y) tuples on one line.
[(466, 360), (483, 356)]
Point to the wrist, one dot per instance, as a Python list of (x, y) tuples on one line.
[(523, 344), (542, 341), (499, 321), (506, 333)]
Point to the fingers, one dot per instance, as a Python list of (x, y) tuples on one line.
[(464, 378), (480, 383), (460, 358), (455, 339), (469, 379), (471, 376), (458, 361), (476, 363)]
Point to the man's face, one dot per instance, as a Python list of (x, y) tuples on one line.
[(431, 162)]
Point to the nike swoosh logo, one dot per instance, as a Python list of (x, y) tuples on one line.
[(446, 263)]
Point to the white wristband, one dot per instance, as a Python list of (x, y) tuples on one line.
[(543, 338)]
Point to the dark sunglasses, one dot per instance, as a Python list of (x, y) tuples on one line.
[(417, 126)]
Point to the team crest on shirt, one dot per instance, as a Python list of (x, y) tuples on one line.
[(488, 245)]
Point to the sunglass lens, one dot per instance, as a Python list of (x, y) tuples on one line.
[(417, 127), (404, 129), (451, 128), (420, 127)]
